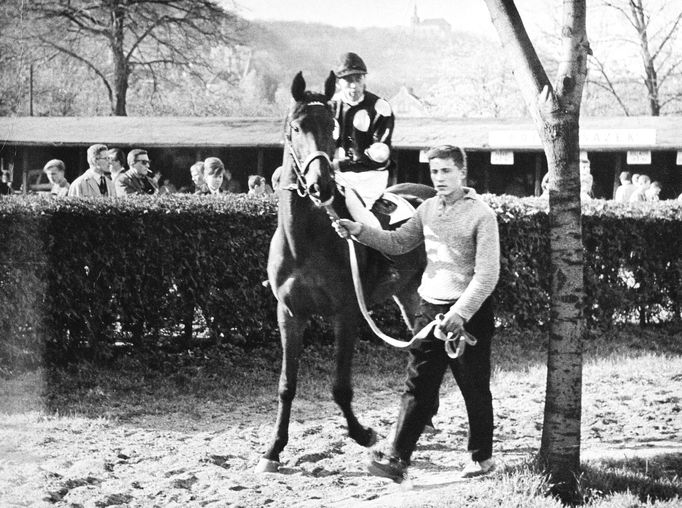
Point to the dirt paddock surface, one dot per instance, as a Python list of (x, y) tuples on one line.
[(206, 457)]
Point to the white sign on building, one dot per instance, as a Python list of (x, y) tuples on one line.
[(502, 157), (588, 138), (639, 157)]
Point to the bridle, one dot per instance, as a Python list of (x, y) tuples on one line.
[(301, 167)]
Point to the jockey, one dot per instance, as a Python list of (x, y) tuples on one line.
[(363, 144)]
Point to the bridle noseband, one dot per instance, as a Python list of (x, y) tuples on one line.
[(301, 168)]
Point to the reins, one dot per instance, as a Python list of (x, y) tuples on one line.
[(454, 346)]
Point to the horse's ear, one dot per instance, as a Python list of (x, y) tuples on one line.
[(298, 87), (330, 85)]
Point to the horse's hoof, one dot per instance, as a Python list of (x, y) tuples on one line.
[(372, 438), (367, 437), (267, 466)]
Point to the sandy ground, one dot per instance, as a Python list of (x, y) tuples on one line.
[(207, 458)]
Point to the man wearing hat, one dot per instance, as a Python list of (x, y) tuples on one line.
[(363, 146), (363, 152)]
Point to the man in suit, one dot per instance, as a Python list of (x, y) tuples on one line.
[(136, 180), (94, 182)]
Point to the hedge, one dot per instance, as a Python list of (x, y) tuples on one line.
[(79, 273)]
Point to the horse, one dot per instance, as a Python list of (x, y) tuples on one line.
[(308, 262)]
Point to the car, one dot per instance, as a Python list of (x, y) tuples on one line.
[(38, 182)]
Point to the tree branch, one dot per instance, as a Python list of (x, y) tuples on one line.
[(531, 75), (609, 87), (89, 64), (668, 36)]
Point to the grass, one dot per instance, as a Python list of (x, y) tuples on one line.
[(630, 376)]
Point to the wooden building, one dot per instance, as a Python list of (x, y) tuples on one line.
[(501, 152)]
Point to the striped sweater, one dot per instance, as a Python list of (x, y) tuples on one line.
[(462, 249)]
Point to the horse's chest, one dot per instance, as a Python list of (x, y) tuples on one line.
[(311, 289)]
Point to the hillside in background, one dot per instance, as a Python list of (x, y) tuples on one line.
[(453, 73)]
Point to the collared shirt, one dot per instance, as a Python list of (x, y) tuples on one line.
[(462, 250)]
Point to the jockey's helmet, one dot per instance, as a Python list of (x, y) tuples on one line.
[(349, 64)]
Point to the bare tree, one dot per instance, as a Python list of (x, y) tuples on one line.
[(555, 110), (119, 40), (655, 27)]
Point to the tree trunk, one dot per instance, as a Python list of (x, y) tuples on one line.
[(560, 444), (641, 22), (121, 70), (556, 112)]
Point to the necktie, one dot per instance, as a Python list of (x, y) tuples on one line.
[(103, 185), (147, 187)]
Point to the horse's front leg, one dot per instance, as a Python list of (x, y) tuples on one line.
[(291, 333), (345, 330)]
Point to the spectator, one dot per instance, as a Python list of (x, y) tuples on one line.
[(586, 179), (117, 163), (639, 194), (55, 169), (626, 188), (214, 174), (274, 179), (167, 187), (230, 185), (94, 182), (136, 180), (197, 172), (654, 191), (5, 184), (544, 185), (635, 179), (258, 186), (586, 182)]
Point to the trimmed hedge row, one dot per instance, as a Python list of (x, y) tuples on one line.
[(80, 273)]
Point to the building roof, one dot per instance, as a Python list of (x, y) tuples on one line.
[(597, 134), (405, 103)]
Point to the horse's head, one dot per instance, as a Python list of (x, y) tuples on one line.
[(310, 141)]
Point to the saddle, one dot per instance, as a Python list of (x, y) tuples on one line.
[(394, 207), (390, 209)]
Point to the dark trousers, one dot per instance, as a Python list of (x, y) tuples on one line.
[(425, 369)]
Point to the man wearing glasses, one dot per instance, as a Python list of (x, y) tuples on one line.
[(94, 182), (136, 180)]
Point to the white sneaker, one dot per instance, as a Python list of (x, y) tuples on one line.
[(478, 468)]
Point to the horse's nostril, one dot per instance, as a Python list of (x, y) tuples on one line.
[(315, 189)]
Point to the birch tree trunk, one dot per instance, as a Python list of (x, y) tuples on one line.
[(556, 112)]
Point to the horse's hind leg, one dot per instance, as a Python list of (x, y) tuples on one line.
[(291, 333), (344, 333)]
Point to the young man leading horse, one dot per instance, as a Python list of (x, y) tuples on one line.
[(461, 237)]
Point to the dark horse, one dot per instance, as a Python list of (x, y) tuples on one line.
[(308, 264)]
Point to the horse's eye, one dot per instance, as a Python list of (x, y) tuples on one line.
[(295, 128)]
